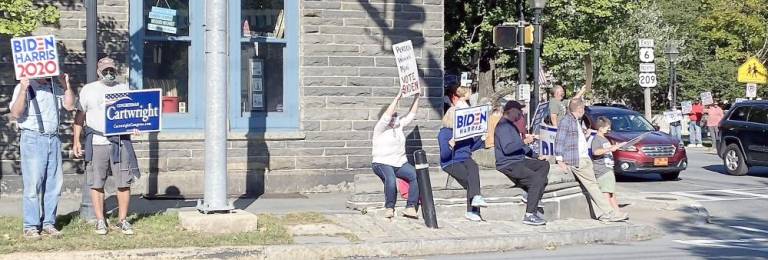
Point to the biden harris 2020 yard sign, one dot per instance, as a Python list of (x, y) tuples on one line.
[(470, 122), (35, 57), (132, 110)]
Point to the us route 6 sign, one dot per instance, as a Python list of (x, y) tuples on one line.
[(648, 80), (646, 55)]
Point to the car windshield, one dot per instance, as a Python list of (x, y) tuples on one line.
[(628, 123)]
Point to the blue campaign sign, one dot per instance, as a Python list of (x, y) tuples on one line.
[(129, 110)]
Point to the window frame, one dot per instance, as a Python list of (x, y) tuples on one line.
[(194, 119), (736, 110), (288, 120)]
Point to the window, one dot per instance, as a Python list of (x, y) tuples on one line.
[(261, 70), (758, 115), (740, 114), (166, 66), (263, 18)]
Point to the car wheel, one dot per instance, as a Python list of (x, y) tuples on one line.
[(734, 162), (670, 176)]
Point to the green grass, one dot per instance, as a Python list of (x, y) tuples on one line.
[(305, 218), (152, 231)]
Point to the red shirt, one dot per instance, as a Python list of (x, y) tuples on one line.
[(697, 110)]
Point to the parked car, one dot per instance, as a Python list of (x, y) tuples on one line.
[(657, 152), (744, 137)]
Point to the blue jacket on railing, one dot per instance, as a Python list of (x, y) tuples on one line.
[(460, 152)]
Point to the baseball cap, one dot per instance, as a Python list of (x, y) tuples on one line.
[(512, 104), (105, 63)]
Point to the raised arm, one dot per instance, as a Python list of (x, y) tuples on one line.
[(392, 106), (408, 118), (69, 94), (19, 102)]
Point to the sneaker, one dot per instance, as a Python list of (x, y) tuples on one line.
[(101, 227), (472, 216), (479, 201), (31, 234), (51, 231), (389, 213), (125, 227), (691, 145), (699, 145), (533, 220), (614, 217), (410, 212), (540, 212)]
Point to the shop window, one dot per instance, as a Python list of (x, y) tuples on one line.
[(263, 18), (166, 66), (261, 71), (166, 18)]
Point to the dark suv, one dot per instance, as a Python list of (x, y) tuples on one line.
[(744, 135)]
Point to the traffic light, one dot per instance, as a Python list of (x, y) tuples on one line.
[(529, 34), (505, 36)]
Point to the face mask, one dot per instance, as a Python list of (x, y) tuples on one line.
[(108, 75)]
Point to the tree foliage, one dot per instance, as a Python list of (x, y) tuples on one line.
[(20, 17), (713, 36)]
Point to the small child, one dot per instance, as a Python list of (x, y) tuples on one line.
[(602, 158)]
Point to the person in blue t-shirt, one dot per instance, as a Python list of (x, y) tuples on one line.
[(456, 160)]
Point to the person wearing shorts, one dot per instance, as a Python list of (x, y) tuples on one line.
[(105, 156), (602, 159)]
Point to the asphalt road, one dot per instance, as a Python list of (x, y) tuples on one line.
[(738, 206)]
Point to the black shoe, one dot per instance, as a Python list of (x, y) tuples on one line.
[(533, 220), (540, 212)]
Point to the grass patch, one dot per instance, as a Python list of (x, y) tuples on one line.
[(305, 218), (152, 231)]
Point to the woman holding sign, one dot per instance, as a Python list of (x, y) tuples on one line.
[(389, 161), (456, 160)]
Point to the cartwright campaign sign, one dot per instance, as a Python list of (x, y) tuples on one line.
[(470, 122), (137, 109), (35, 57)]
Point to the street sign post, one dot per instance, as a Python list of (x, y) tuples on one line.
[(647, 77)]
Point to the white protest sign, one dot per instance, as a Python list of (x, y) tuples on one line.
[(739, 100), (673, 116), (35, 56), (687, 107), (470, 122), (465, 80), (406, 68), (706, 98), (751, 90), (547, 136)]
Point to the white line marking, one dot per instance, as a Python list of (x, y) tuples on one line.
[(746, 189), (745, 193), (750, 229), (730, 243), (704, 197)]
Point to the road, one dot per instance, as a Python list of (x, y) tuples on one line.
[(738, 206)]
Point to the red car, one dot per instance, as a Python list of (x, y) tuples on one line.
[(656, 152)]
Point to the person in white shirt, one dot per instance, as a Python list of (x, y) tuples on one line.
[(389, 160)]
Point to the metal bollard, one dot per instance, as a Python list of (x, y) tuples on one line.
[(425, 189)]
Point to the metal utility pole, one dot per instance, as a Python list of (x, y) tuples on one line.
[(215, 197), (521, 42), (535, 95), (647, 94), (91, 57)]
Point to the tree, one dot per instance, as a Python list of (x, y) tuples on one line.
[(20, 17)]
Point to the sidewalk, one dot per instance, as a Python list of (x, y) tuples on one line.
[(351, 234)]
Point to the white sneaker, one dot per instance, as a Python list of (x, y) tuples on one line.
[(479, 201), (471, 216), (699, 145), (691, 145)]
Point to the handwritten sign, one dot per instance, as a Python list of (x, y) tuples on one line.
[(35, 57), (136, 109), (673, 116), (470, 122), (687, 107), (406, 68), (706, 98), (751, 90)]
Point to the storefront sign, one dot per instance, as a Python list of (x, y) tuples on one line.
[(706, 98), (35, 56), (162, 20), (406, 68), (470, 122), (136, 109)]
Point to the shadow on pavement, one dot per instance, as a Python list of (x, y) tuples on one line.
[(754, 171), (725, 238)]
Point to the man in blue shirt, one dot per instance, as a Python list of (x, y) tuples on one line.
[(36, 105), (515, 160)]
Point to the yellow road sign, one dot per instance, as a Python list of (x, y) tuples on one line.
[(753, 71)]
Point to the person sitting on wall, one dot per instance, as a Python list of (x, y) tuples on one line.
[(389, 160), (515, 160), (456, 160)]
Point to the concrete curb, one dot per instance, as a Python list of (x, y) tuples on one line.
[(608, 234)]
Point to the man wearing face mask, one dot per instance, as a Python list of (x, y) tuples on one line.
[(389, 160), (104, 154), (515, 160)]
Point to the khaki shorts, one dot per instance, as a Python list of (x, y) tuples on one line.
[(101, 166), (607, 182)]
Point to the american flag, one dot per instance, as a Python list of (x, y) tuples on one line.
[(542, 76), (112, 98)]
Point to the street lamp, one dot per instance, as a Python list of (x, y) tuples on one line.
[(672, 53), (538, 7)]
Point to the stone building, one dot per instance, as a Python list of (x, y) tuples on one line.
[(307, 82)]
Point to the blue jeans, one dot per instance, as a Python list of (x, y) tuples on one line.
[(694, 133), (676, 130), (41, 173), (389, 174)]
